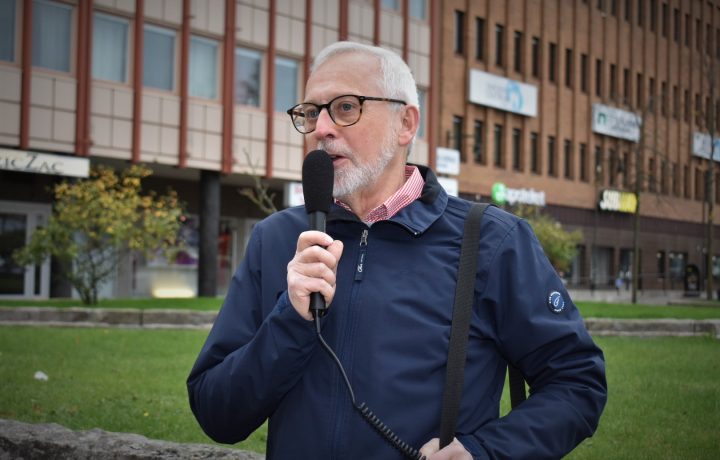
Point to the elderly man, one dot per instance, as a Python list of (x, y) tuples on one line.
[(387, 267)]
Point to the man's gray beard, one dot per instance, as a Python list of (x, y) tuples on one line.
[(351, 179)]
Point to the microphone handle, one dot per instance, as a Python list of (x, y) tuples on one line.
[(317, 221)]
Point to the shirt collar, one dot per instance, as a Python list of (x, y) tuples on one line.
[(409, 192)]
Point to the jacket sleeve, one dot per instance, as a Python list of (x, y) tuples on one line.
[(564, 368), (250, 358)]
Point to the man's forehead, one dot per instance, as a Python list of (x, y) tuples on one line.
[(346, 73)]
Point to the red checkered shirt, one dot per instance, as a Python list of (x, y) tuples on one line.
[(409, 192)]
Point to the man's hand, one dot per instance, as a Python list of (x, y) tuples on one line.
[(453, 451), (313, 269)]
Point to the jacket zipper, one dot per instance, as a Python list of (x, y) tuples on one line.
[(360, 267)]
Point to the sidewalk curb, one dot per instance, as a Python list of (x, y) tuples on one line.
[(191, 319)]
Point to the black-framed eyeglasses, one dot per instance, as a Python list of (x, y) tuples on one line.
[(344, 110)]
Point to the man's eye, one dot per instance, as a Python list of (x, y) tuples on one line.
[(312, 113), (346, 107)]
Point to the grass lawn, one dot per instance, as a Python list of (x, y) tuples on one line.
[(664, 392)]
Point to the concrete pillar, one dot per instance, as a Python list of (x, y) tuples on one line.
[(209, 213)]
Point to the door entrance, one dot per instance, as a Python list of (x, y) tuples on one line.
[(17, 222)]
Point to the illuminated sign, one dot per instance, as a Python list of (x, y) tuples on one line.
[(44, 163), (447, 161), (501, 194), (617, 201), (502, 93), (616, 123)]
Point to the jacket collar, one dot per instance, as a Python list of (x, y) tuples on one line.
[(416, 217)]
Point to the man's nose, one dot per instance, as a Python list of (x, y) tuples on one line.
[(324, 125)]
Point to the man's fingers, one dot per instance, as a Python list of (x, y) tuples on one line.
[(430, 447)]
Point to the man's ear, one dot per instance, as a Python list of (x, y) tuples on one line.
[(410, 123)]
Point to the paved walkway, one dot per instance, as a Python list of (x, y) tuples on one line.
[(189, 319)]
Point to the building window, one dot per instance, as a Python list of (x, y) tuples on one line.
[(676, 102), (612, 167), (663, 99), (480, 39), (391, 4), (640, 12), (517, 149), (247, 77), (459, 32), (51, 35), (109, 48), (613, 82), (686, 181), (598, 164), (626, 84), (536, 57), (584, 72), (498, 150), (7, 30), (499, 33), (686, 110), (660, 256), (652, 176), (518, 51), (651, 95), (708, 37), (203, 68), (552, 62), (665, 20), (653, 15), (676, 260), (687, 29), (418, 9), (551, 156), (534, 160), (698, 108), (626, 169), (457, 137), (583, 162), (159, 58), (698, 35), (567, 153), (676, 25), (675, 176), (568, 67), (699, 185), (640, 93), (286, 83), (478, 143), (628, 13), (664, 177), (717, 43), (598, 77)]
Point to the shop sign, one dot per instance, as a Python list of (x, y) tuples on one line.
[(447, 161), (44, 163), (617, 201), (616, 123), (701, 146), (502, 194), (293, 195), (449, 184), (502, 93)]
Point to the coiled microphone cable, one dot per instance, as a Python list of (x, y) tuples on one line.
[(394, 440)]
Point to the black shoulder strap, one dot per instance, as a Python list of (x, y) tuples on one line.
[(464, 293), (460, 328)]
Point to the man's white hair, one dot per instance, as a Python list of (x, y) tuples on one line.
[(395, 77), (396, 80)]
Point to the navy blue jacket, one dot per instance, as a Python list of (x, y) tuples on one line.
[(389, 324)]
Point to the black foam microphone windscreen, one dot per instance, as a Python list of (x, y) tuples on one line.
[(317, 180)]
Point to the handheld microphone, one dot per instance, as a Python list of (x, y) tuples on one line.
[(317, 179)]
